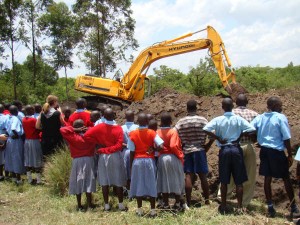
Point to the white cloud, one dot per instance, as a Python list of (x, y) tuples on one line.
[(256, 32)]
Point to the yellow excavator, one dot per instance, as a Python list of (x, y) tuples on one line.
[(131, 87)]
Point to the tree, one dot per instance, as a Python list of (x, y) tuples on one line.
[(204, 79), (30, 14), (10, 10), (109, 31), (46, 78), (59, 24), (168, 77)]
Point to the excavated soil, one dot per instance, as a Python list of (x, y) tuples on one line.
[(210, 107)]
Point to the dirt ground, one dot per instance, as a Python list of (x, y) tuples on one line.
[(210, 107)]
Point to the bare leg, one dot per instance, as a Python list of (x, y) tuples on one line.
[(139, 201), (78, 197), (128, 185), (119, 191), (268, 190), (166, 199), (1, 170), (152, 202), (289, 190), (205, 188), (239, 195), (89, 200), (177, 199), (188, 187), (105, 192), (223, 195)]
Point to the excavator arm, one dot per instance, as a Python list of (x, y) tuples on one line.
[(131, 86)]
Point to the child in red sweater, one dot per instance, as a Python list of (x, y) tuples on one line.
[(81, 113), (82, 178), (33, 154), (143, 169), (111, 169)]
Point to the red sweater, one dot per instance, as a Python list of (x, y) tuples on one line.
[(172, 143), (110, 137), (143, 139), (29, 128), (85, 116), (78, 146)]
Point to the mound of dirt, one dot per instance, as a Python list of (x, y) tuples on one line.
[(210, 107)]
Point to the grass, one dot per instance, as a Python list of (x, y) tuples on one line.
[(28, 204)]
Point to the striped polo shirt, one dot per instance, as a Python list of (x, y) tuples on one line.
[(190, 130)]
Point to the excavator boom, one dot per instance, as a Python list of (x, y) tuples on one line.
[(131, 86)]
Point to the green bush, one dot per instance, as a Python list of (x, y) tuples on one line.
[(57, 171)]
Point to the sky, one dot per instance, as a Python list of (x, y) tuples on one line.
[(256, 32)]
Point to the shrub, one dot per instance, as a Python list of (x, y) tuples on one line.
[(57, 171)]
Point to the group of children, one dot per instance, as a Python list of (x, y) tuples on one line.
[(22, 152), (125, 158), (147, 162)]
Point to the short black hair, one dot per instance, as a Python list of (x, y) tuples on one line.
[(191, 105), (78, 123), (165, 119), (81, 103)]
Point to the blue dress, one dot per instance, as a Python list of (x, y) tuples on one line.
[(14, 155)]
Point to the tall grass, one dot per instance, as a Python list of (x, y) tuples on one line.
[(57, 171)]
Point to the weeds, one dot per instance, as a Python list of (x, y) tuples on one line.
[(57, 171)]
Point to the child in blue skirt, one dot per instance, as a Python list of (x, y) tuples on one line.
[(82, 178), (14, 152), (143, 168), (33, 154)]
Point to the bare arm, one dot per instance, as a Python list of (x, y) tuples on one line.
[(216, 137), (38, 124), (131, 159), (208, 144), (3, 137), (288, 146)]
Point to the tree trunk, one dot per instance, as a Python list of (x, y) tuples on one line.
[(103, 41), (98, 41), (67, 90), (13, 58), (33, 49)]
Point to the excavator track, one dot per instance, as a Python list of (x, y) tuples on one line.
[(94, 102)]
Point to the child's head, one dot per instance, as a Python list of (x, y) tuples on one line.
[(129, 115), (67, 111), (191, 106), (149, 116), (165, 120), (109, 114), (94, 116), (29, 110), (227, 104), (103, 108), (13, 110), (78, 123), (81, 103), (7, 105), (18, 104), (152, 125), (37, 108), (142, 119), (274, 104)]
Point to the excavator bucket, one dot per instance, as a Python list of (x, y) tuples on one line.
[(234, 89)]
